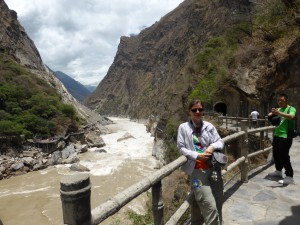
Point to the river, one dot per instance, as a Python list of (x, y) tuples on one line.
[(34, 198)]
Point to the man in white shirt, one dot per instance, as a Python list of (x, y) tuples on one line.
[(254, 115)]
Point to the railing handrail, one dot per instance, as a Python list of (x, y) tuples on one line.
[(114, 204), (241, 118)]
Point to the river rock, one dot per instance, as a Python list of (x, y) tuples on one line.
[(66, 152), (55, 158), (73, 158), (16, 166), (94, 140), (125, 136), (101, 150), (39, 166), (30, 153), (78, 167), (84, 148), (61, 145), (73, 140), (28, 161)]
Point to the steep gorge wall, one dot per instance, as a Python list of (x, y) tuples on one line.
[(15, 42), (151, 71), (148, 74)]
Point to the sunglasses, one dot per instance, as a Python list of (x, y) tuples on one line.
[(197, 109)]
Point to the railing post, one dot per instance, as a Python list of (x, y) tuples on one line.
[(261, 139), (226, 120), (75, 197), (157, 204), (244, 152), (266, 124)]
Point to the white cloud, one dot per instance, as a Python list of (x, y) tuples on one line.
[(80, 38)]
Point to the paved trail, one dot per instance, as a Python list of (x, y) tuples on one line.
[(262, 201)]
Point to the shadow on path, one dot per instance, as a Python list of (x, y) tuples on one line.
[(230, 191), (293, 219)]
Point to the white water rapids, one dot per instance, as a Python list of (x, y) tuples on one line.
[(34, 198)]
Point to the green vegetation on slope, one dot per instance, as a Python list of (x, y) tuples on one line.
[(28, 105), (275, 19)]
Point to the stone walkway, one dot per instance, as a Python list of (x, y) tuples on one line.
[(263, 201)]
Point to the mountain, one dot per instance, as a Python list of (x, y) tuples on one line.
[(235, 55), (76, 89), (91, 88), (33, 101), (15, 42)]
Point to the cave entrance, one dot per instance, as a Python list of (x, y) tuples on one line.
[(221, 107)]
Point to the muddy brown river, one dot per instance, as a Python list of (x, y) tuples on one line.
[(34, 198)]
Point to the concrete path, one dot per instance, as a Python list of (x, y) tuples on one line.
[(263, 201)]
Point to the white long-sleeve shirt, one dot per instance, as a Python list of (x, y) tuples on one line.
[(209, 136)]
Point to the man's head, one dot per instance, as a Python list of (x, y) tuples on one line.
[(282, 100)]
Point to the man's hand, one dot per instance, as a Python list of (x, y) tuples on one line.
[(275, 111)]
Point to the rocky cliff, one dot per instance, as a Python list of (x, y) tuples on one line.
[(15, 42), (155, 72)]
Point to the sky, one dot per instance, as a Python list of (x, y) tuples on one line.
[(80, 37)]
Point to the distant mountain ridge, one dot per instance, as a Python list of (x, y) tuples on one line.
[(91, 88), (76, 89)]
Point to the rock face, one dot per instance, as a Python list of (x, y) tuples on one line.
[(152, 72), (15, 41), (148, 72)]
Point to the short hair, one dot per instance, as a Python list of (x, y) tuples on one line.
[(283, 95), (193, 102)]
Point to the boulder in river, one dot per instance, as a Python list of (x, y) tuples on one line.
[(78, 167), (125, 136)]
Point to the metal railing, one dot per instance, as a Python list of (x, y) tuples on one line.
[(75, 190)]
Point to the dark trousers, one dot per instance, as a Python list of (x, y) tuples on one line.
[(281, 149)]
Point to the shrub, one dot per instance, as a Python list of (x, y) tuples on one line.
[(68, 110), (205, 90), (5, 115), (10, 128), (274, 19)]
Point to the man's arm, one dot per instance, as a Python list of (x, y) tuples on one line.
[(289, 116)]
